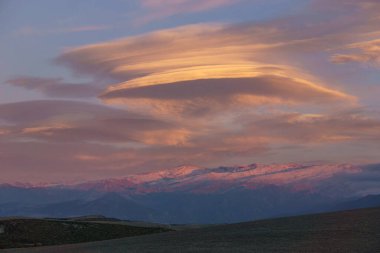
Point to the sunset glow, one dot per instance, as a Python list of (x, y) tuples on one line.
[(144, 85)]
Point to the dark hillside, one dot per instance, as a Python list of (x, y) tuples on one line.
[(38, 232), (338, 232)]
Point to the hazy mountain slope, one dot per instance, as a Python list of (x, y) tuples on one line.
[(232, 206), (182, 207), (365, 202), (110, 205), (38, 194)]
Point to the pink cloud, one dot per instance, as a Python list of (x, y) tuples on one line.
[(367, 52), (205, 94)]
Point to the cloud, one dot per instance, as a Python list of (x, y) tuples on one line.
[(56, 87), (108, 142), (41, 110), (344, 126), (198, 68), (144, 54), (69, 121), (31, 161), (54, 138), (364, 52), (354, 31), (206, 94)]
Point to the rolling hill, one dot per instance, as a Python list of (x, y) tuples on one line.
[(338, 232), (27, 232)]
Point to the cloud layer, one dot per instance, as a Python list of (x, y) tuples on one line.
[(196, 69), (204, 94)]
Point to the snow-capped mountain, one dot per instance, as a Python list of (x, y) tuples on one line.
[(197, 179), (191, 194)]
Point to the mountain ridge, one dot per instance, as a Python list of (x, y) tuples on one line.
[(192, 194), (214, 179)]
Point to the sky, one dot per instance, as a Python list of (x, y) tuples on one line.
[(97, 89)]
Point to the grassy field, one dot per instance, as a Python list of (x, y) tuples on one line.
[(349, 231), (19, 232)]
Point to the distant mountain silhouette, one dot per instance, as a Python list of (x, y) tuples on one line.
[(110, 205), (364, 202)]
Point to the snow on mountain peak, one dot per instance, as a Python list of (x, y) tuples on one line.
[(198, 179), (176, 172)]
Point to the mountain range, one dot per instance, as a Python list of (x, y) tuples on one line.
[(191, 194)]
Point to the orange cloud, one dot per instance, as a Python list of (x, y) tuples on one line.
[(83, 157), (230, 94), (205, 96), (198, 68)]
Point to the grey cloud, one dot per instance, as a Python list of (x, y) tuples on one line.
[(56, 87)]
